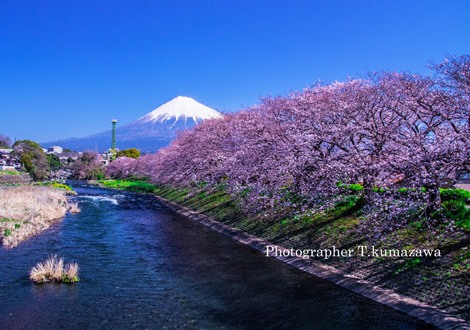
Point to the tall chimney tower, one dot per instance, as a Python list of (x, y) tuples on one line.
[(113, 142)]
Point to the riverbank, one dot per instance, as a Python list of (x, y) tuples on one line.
[(438, 281), (27, 210), (13, 177)]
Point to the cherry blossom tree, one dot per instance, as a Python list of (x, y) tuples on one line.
[(387, 131), (5, 141), (121, 167)]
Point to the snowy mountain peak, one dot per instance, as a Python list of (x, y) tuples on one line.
[(180, 107), (150, 132)]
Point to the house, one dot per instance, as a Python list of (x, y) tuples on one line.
[(7, 161), (55, 150), (7, 168), (462, 177)]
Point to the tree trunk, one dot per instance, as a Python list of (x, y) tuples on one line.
[(433, 199), (368, 191)]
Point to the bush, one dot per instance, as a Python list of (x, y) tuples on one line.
[(348, 205), (54, 270), (131, 153), (33, 158), (355, 187), (460, 195), (456, 210)]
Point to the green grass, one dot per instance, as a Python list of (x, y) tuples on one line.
[(9, 172), (458, 212), (134, 185), (460, 195), (454, 206), (7, 231), (54, 185)]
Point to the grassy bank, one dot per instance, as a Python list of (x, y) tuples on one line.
[(14, 177), (130, 185), (440, 281), (28, 210)]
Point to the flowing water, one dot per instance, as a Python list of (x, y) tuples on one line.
[(143, 266)]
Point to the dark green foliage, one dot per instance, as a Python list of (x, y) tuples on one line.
[(355, 187), (33, 158), (379, 190), (456, 210), (27, 161), (350, 187), (455, 195), (348, 205), (7, 232), (454, 202), (347, 202), (26, 143), (131, 153), (98, 174), (54, 162)]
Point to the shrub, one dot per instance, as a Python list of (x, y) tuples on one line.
[(53, 270), (355, 187), (348, 205), (456, 210), (460, 195), (33, 158), (131, 153)]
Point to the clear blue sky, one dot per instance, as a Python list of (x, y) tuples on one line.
[(68, 67)]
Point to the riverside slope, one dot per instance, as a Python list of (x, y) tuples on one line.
[(413, 307)]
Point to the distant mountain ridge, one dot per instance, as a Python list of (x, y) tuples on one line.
[(148, 133)]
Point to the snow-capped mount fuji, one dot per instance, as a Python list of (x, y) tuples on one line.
[(150, 132), (180, 107)]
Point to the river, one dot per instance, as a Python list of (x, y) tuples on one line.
[(143, 266)]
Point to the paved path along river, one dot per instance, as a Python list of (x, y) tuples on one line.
[(143, 266)]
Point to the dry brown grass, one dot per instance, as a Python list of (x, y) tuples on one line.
[(54, 270), (28, 210)]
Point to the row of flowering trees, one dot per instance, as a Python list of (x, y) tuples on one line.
[(385, 132)]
